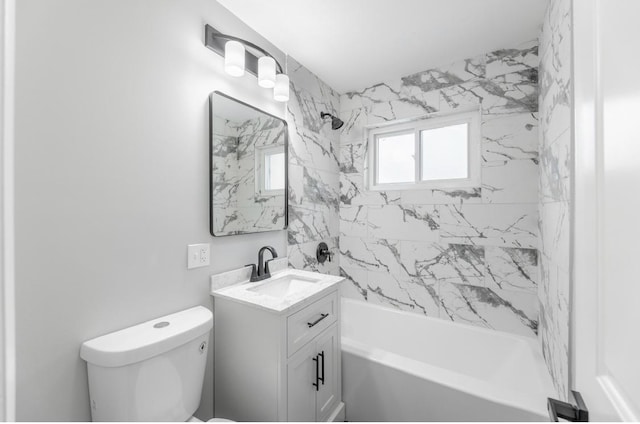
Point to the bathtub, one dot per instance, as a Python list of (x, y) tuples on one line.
[(401, 366)]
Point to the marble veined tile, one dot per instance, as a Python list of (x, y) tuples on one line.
[(510, 137), (386, 102), (353, 221), (555, 109), (555, 170), (352, 158), (307, 225), (303, 256), (463, 303), (512, 181), (441, 196), (225, 188), (555, 233), (370, 254), (405, 294), (378, 93), (306, 80), (512, 311), (508, 225), (355, 283), (313, 188), (482, 307), (505, 94), (555, 165), (435, 262), (505, 61), (243, 220), (512, 269), (352, 192), (455, 73), (354, 125), (554, 323), (403, 108), (414, 222), (313, 150)]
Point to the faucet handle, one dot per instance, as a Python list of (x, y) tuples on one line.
[(254, 274), (323, 253)]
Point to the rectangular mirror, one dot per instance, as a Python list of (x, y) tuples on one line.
[(248, 168)]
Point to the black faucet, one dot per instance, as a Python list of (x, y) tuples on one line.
[(263, 266)]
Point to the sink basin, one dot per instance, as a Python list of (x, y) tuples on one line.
[(281, 293), (285, 286)]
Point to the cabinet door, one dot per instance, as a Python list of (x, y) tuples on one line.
[(301, 394), (328, 394)]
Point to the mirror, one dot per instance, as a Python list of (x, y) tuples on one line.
[(248, 168)]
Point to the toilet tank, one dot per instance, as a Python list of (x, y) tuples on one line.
[(153, 371)]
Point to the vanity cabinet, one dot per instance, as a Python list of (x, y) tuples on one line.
[(272, 366), (312, 379)]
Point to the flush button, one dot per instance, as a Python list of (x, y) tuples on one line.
[(161, 324), (203, 346)]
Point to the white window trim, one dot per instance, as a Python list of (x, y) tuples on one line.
[(472, 118), (261, 152)]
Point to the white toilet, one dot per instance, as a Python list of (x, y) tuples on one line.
[(153, 371)]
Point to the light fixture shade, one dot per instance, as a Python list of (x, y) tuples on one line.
[(281, 90), (234, 58), (266, 72)]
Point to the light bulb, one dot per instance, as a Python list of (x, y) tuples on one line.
[(234, 58), (266, 72), (281, 90)]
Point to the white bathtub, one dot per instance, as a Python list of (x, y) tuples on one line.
[(400, 366)]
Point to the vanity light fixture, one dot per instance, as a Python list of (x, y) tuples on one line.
[(237, 59), (267, 72), (234, 58)]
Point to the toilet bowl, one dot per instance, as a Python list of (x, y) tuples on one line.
[(152, 371)]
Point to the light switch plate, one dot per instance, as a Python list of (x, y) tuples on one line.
[(198, 255)]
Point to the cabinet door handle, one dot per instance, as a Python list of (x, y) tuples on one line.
[(321, 354), (316, 384), (322, 316)]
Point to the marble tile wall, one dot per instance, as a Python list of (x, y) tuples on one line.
[(236, 207), (467, 255), (314, 172), (555, 189)]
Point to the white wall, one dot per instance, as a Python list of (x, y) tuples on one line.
[(111, 180), (7, 281)]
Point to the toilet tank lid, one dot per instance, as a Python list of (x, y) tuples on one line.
[(151, 338)]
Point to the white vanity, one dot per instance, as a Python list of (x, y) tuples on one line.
[(277, 346)]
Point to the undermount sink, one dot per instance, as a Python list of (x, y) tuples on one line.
[(286, 289), (284, 286)]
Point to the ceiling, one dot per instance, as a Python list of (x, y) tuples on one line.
[(353, 44)]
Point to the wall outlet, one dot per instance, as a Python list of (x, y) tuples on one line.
[(198, 255)]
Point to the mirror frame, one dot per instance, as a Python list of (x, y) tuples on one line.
[(211, 181)]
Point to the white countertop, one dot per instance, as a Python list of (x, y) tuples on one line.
[(224, 286)]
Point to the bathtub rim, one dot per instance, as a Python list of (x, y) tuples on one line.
[(470, 385)]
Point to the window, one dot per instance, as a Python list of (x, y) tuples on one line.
[(435, 152), (270, 169)]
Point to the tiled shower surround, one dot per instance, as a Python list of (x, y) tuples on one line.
[(314, 171), (555, 189), (467, 255)]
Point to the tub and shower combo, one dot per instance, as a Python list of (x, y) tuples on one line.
[(399, 366)]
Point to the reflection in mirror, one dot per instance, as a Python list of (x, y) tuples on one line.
[(248, 168)]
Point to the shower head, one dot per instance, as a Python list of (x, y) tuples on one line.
[(336, 123)]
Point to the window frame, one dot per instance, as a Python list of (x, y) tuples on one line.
[(470, 117), (261, 153)]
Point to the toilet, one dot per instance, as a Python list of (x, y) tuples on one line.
[(152, 371)]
